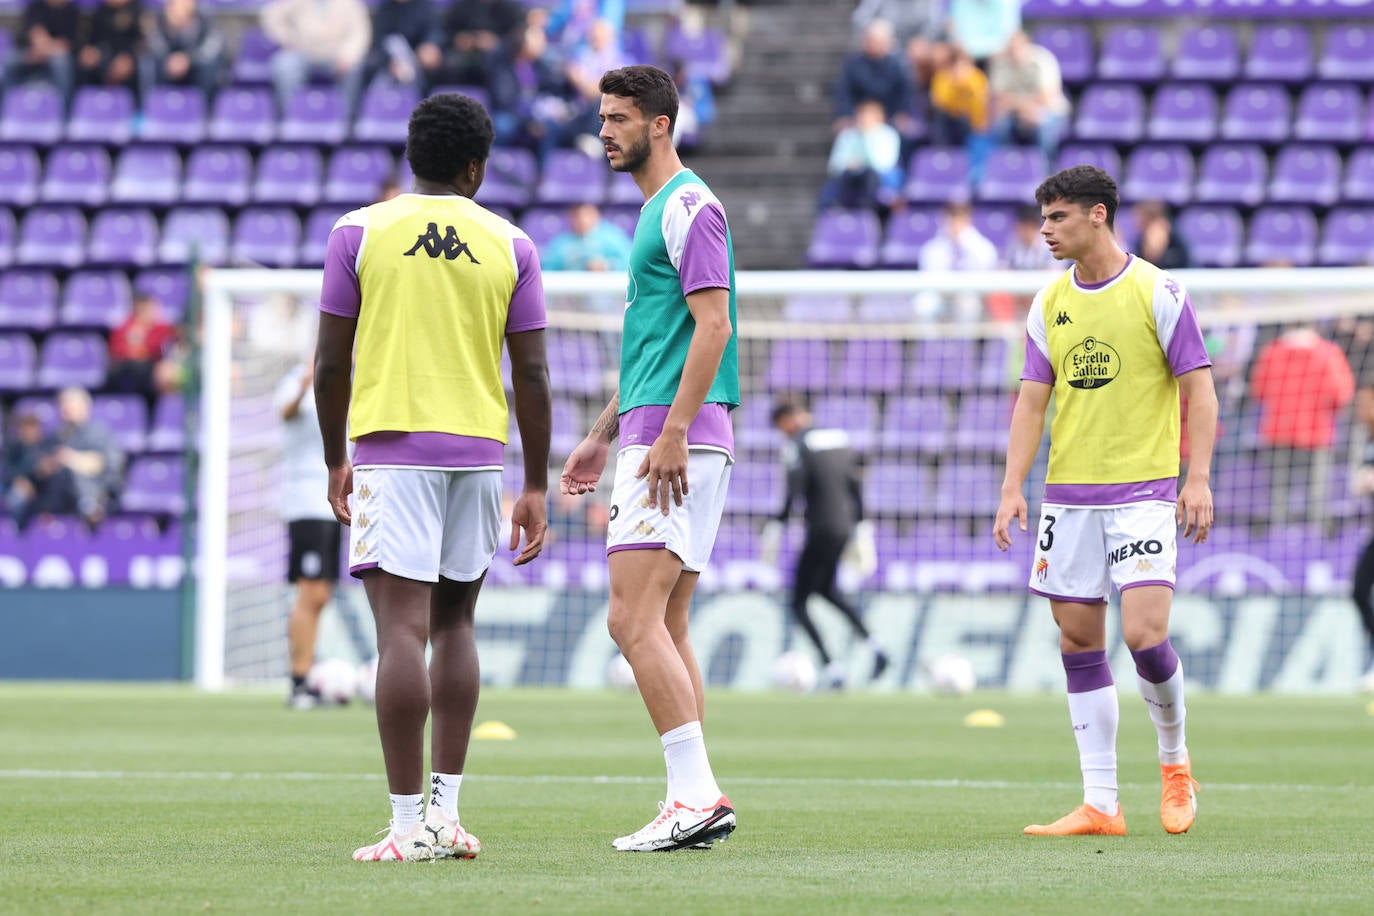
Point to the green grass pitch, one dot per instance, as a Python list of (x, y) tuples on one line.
[(148, 799)]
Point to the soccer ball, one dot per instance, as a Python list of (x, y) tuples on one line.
[(367, 681), (795, 672), (619, 674), (333, 680), (951, 674)]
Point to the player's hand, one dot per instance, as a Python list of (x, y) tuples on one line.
[(1194, 510), (340, 487), (531, 515), (861, 553), (770, 541), (666, 468), (1012, 506), (583, 467)]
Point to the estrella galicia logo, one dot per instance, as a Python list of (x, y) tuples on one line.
[(1063, 319), (447, 245), (1091, 364), (1134, 549)]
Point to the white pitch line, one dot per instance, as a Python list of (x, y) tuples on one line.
[(554, 779)]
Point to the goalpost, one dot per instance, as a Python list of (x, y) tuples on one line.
[(925, 401)]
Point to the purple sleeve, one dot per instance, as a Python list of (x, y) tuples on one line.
[(1037, 368), (1187, 351), (340, 294), (527, 299), (705, 255)]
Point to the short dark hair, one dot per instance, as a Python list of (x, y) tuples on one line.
[(651, 89), (1085, 185), (786, 405), (447, 132)]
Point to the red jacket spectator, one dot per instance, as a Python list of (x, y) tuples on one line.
[(144, 337), (1301, 380)]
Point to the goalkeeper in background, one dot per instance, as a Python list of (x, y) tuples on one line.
[(823, 471)]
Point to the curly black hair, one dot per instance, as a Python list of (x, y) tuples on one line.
[(1085, 185), (447, 132), (651, 89)]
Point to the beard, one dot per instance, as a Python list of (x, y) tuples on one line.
[(633, 158)]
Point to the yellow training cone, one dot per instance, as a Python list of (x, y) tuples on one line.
[(493, 730), (984, 718)]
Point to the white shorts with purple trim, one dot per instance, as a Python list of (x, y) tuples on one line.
[(1081, 552), (688, 530), (423, 523)]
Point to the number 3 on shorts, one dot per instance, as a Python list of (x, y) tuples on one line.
[(1047, 533)]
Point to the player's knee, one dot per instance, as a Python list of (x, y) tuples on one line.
[(625, 627), (1143, 634)]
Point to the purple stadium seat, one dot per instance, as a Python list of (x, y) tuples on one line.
[(18, 361), (871, 366), (1011, 174), (96, 299), (288, 175), (76, 174), (51, 237), (28, 300), (314, 114), (1183, 112), (72, 358), (1329, 114), (356, 173), (1133, 52), (638, 46), (1162, 172), (123, 238), (754, 426), (1111, 114), (541, 224), (1232, 173), (1073, 46), (383, 113), (43, 406), (268, 236), (1207, 52), (1215, 234), (981, 423), (1347, 237), (892, 489), (125, 416), (915, 423), (478, 94), (171, 286), (218, 175), (58, 536), (243, 114), (168, 430), (937, 174), (20, 175), (32, 114), (758, 487), (155, 483), (1258, 112), (627, 218), (315, 235), (704, 51), (571, 176), (621, 190), (1280, 52), (798, 365), (997, 223), (1347, 53), (944, 364), (101, 114), (9, 233), (818, 308), (511, 177), (253, 62), (954, 482), (147, 175), (173, 114), (577, 361), (1102, 155), (907, 230), (844, 238), (1359, 176), (1307, 174), (202, 232), (857, 415), (1281, 234)]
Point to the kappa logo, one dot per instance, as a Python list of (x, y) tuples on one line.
[(364, 492), (359, 549), (1144, 566), (1172, 286), (644, 529), (644, 502), (363, 521), (690, 199), (1135, 549), (448, 245), (1063, 319)]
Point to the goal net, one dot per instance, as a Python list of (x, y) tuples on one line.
[(1262, 605)]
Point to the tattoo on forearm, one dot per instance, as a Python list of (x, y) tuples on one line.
[(608, 425)]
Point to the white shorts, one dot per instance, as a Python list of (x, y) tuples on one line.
[(688, 530), (1082, 551), (421, 523)]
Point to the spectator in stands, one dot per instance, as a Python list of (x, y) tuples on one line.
[(476, 37), (1301, 381), (185, 47), (876, 72), (696, 105), (318, 39), (909, 19), (958, 98), (1158, 241), (1028, 101), (1026, 249), (33, 481), (569, 24), (111, 45), (47, 33), (864, 169), (403, 50), (590, 243), (958, 246), (1363, 485), (1231, 345), (529, 95), (983, 27), (89, 452), (141, 350), (600, 55)]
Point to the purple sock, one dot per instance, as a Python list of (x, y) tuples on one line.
[(1087, 670), (1156, 664)]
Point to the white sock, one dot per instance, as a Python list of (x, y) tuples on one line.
[(1094, 715), (443, 793), (1165, 702), (691, 781), (407, 811)]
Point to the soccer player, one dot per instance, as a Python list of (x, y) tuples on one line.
[(426, 286), (822, 471), (1114, 339), (314, 535), (679, 379)]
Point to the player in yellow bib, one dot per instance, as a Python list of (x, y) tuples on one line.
[(1114, 340)]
